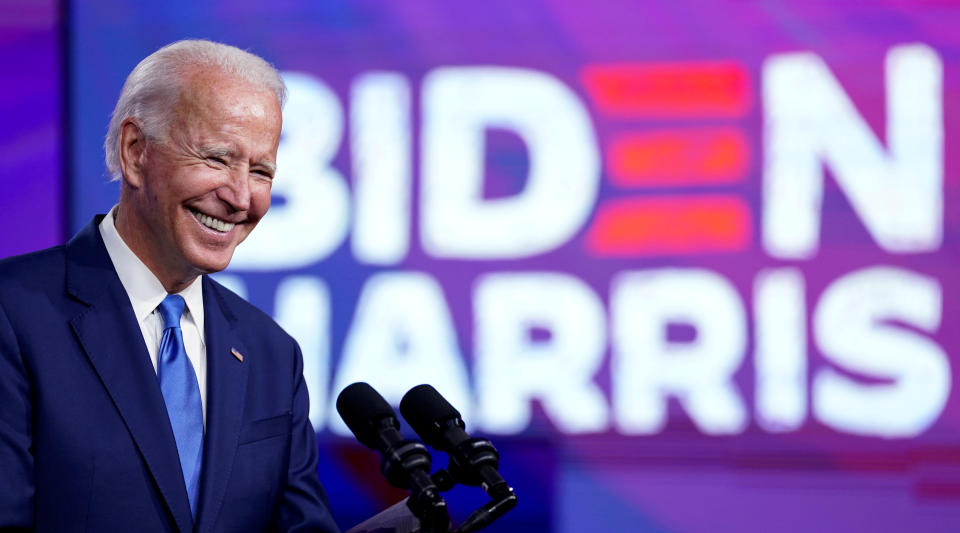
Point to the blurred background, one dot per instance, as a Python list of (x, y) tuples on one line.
[(691, 265)]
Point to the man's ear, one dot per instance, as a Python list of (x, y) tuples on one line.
[(133, 144)]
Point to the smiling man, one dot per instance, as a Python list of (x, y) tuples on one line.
[(136, 394), (191, 197)]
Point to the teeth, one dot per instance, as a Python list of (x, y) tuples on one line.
[(213, 223)]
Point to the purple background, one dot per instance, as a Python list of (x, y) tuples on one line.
[(32, 205), (813, 479)]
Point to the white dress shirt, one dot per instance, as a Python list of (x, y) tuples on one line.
[(146, 292)]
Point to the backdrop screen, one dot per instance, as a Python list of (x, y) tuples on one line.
[(691, 265), (32, 203)]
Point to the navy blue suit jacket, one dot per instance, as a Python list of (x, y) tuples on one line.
[(85, 441)]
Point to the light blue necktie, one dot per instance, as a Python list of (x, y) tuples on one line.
[(178, 384)]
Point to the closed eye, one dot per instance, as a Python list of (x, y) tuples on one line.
[(266, 169)]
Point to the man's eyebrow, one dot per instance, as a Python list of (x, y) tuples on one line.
[(269, 165), (226, 153), (216, 151)]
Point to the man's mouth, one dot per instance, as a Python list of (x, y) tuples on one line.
[(213, 223)]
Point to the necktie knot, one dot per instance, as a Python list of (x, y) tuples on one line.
[(171, 309)]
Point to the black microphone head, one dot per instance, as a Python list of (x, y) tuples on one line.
[(429, 414), (363, 410)]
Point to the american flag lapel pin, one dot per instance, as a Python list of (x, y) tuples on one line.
[(237, 354)]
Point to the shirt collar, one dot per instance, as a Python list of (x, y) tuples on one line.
[(142, 286)]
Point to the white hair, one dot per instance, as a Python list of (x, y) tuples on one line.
[(153, 87)]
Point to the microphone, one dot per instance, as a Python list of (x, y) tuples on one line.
[(473, 461), (405, 463)]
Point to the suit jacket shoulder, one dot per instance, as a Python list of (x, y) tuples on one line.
[(36, 272)]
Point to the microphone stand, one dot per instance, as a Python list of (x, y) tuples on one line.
[(483, 461), (473, 461), (409, 461)]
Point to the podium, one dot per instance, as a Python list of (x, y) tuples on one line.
[(394, 519)]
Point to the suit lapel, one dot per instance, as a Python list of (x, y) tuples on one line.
[(226, 390), (110, 335)]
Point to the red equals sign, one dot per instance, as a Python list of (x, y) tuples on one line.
[(679, 224)]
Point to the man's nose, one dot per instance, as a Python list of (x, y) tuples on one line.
[(237, 190)]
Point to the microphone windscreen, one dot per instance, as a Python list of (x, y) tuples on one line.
[(424, 409), (362, 408)]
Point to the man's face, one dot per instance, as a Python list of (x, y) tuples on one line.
[(205, 186)]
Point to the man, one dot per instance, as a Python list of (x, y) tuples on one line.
[(136, 394)]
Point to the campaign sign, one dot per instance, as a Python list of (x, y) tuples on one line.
[(692, 263)]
